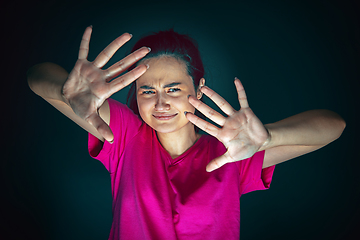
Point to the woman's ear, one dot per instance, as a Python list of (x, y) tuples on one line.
[(201, 84)]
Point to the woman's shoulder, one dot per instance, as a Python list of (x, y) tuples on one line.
[(115, 105), (120, 113), (211, 145), (210, 140)]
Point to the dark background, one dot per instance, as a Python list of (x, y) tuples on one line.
[(291, 56)]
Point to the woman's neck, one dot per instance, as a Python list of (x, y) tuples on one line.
[(176, 143)]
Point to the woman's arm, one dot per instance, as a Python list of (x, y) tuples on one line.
[(301, 134), (243, 134), (81, 95), (47, 80)]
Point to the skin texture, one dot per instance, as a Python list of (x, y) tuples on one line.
[(242, 132), (88, 85), (162, 96), (163, 91)]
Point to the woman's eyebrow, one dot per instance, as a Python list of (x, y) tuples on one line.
[(146, 87), (165, 86), (172, 84)]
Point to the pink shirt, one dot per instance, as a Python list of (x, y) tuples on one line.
[(157, 197)]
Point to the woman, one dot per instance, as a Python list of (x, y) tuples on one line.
[(169, 181)]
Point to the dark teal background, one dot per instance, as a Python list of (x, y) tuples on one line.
[(291, 56)]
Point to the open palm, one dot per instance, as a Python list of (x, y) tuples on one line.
[(88, 85), (242, 133)]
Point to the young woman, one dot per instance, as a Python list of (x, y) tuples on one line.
[(168, 181)]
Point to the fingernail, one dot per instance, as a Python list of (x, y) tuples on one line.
[(185, 113), (149, 49), (147, 66), (130, 35), (111, 142), (189, 95), (91, 26)]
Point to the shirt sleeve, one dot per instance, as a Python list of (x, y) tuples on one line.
[(252, 176), (125, 125)]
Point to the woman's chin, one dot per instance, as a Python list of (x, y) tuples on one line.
[(170, 128), (164, 129)]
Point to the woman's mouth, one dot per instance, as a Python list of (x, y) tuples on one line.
[(164, 117)]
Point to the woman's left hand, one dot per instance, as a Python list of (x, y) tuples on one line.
[(241, 132)]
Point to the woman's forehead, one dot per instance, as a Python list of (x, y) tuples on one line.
[(165, 61), (163, 71)]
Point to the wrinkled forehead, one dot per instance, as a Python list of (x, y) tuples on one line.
[(164, 70)]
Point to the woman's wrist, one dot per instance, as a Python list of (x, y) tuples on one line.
[(47, 80), (62, 95), (269, 142)]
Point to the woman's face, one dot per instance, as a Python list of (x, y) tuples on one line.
[(162, 94)]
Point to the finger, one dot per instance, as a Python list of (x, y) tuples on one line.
[(110, 50), (202, 124), (218, 100), (128, 61), (207, 111), (218, 162), (121, 82), (84, 45), (96, 121), (241, 94)]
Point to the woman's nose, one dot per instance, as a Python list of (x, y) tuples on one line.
[(162, 103)]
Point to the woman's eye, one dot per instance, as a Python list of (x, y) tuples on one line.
[(148, 92), (173, 89)]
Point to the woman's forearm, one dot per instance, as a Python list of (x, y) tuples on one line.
[(310, 128), (46, 80)]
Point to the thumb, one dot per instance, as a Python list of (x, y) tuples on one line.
[(101, 127), (218, 162)]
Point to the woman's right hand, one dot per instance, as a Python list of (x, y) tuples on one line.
[(88, 85)]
